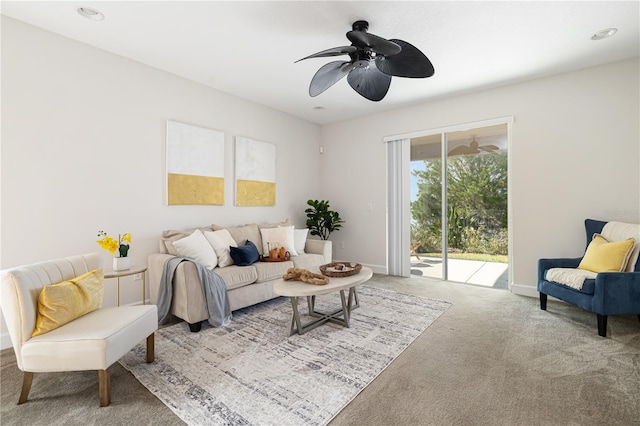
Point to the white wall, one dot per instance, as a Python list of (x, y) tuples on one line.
[(83, 150), (574, 155)]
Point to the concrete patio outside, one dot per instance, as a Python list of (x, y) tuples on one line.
[(487, 274)]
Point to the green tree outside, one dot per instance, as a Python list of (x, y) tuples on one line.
[(477, 204)]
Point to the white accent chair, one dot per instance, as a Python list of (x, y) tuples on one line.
[(92, 342)]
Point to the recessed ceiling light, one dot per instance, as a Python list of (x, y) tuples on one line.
[(318, 108), (90, 13), (606, 33)]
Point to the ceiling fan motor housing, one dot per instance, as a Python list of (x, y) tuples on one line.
[(360, 26), (360, 58)]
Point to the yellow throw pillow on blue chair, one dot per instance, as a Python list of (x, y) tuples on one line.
[(605, 256), (59, 304)]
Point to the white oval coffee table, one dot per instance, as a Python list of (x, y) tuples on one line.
[(296, 289)]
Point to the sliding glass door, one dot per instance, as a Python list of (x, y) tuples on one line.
[(459, 223), (426, 207)]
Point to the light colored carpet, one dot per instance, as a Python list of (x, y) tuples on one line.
[(253, 373)]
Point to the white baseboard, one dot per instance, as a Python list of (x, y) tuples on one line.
[(529, 291), (524, 290), (377, 269)]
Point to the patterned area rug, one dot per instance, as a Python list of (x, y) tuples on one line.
[(253, 373)]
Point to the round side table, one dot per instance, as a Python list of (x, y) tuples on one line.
[(134, 269)]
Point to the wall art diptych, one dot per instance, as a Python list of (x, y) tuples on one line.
[(255, 173), (195, 165)]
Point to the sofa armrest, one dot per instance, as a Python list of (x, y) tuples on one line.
[(617, 293), (546, 264), (323, 247), (188, 300), (155, 269)]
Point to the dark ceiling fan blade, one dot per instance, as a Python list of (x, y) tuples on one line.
[(410, 62), (328, 75), (379, 45), (369, 82), (334, 51)]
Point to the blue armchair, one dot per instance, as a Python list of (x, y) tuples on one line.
[(610, 293)]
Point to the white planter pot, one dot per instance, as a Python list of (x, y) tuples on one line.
[(121, 263)]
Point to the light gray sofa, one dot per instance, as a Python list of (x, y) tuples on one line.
[(246, 285)]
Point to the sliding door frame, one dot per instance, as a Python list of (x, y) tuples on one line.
[(398, 190)]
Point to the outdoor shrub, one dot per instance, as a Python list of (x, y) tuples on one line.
[(480, 240)]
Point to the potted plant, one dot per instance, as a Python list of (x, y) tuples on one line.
[(122, 245), (320, 220)]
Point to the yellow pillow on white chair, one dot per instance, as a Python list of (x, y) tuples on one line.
[(59, 304)]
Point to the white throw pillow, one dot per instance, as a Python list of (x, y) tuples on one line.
[(300, 239), (196, 247), (278, 237), (221, 240)]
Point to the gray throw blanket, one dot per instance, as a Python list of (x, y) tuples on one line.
[(213, 288)]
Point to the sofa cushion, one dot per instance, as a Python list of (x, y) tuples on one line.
[(61, 303), (588, 286), (245, 255), (308, 260), (235, 276), (221, 241), (169, 236), (250, 231), (241, 234), (570, 277), (605, 256), (195, 246), (272, 270), (282, 236), (287, 222), (300, 239), (92, 342)]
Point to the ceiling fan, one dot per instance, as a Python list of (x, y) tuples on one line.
[(373, 61), (473, 148)]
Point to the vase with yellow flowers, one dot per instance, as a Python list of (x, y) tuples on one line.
[(120, 262)]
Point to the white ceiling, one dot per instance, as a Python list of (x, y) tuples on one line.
[(248, 49)]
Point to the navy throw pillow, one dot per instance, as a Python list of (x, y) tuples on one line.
[(245, 255)]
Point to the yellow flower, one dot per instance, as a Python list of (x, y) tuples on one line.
[(111, 244), (108, 243)]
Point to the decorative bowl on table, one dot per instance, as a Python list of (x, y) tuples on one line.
[(340, 269), (275, 259)]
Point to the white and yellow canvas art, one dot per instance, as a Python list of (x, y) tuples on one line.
[(255, 173), (195, 165)]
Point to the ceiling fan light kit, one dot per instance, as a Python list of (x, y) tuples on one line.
[(374, 60)]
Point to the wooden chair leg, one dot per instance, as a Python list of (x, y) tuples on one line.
[(105, 387), (151, 348), (26, 387)]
